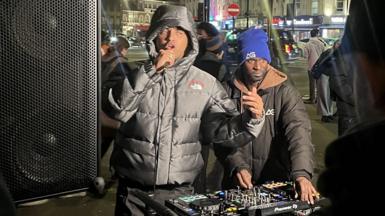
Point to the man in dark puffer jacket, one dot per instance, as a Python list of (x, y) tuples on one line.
[(283, 151), (167, 108)]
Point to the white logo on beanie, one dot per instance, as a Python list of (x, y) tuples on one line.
[(251, 55)]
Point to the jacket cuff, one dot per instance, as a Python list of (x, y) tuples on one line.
[(253, 125), (150, 70), (301, 173)]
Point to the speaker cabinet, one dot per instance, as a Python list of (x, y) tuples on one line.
[(48, 96)]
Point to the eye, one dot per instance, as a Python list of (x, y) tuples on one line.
[(179, 30), (250, 61), (164, 32)]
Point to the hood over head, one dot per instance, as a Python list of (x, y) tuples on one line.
[(167, 16)]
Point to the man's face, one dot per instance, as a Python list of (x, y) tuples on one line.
[(202, 34), (256, 69), (173, 39)]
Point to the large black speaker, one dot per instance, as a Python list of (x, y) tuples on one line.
[(48, 96)]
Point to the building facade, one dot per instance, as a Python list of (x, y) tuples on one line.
[(129, 17), (132, 17), (299, 16)]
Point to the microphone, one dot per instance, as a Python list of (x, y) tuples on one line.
[(164, 66)]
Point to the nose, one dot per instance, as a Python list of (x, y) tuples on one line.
[(171, 34), (257, 66)]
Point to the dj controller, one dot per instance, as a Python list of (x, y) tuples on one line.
[(267, 199)]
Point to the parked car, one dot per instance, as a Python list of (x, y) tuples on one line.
[(135, 42), (281, 42), (283, 48)]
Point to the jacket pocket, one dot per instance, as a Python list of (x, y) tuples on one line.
[(186, 149), (138, 146)]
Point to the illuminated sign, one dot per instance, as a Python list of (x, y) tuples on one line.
[(303, 21), (338, 19)]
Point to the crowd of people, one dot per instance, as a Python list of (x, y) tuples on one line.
[(165, 113)]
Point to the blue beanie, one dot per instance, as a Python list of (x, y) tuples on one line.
[(253, 44)]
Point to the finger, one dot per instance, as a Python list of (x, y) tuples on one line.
[(250, 98), (255, 111), (251, 104), (248, 182), (254, 90), (311, 199), (240, 180), (314, 193), (304, 196), (247, 178)]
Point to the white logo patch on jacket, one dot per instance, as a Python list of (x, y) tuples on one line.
[(270, 112), (196, 84)]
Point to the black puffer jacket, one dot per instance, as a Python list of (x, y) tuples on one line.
[(210, 63), (166, 116), (283, 150)]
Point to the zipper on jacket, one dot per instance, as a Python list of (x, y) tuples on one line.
[(157, 141)]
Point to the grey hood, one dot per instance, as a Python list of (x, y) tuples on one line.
[(167, 16)]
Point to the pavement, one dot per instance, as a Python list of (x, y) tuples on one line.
[(91, 205)]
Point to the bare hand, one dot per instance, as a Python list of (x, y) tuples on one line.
[(165, 59), (253, 103), (306, 190), (244, 179)]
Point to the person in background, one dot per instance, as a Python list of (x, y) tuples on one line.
[(211, 49), (167, 108), (205, 31), (311, 52), (112, 61), (105, 43), (283, 150), (354, 161), (339, 71)]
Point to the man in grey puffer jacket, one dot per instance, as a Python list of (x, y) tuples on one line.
[(167, 109)]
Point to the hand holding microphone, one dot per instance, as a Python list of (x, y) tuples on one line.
[(164, 60)]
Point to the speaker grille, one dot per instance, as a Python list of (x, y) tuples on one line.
[(48, 95)]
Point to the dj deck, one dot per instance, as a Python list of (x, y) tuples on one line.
[(267, 199)]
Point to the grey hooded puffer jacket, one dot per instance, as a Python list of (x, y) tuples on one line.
[(166, 116)]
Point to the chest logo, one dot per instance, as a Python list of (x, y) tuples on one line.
[(270, 112), (196, 85)]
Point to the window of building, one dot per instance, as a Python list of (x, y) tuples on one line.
[(297, 4), (340, 6), (314, 7)]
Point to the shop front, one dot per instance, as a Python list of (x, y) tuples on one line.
[(333, 27)]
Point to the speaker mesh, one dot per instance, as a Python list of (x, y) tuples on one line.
[(48, 95)]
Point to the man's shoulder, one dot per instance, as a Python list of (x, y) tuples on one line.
[(195, 72), (286, 88)]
